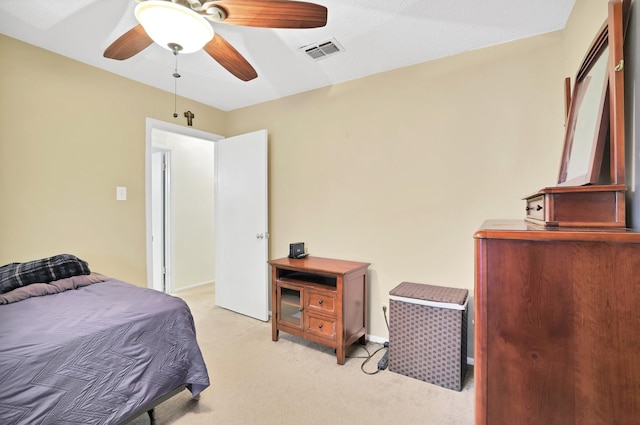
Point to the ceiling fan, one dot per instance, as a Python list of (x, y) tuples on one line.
[(182, 26)]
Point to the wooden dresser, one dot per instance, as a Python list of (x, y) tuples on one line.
[(557, 325), (557, 319), (320, 299)]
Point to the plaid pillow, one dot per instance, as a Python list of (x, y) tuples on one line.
[(46, 270)]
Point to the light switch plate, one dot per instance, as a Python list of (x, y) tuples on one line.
[(121, 193)]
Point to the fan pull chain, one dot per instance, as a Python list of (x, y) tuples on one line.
[(175, 48), (175, 96)]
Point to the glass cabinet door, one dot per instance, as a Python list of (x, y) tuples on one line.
[(290, 305)]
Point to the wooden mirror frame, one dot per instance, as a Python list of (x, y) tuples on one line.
[(588, 121), (579, 201), (609, 41)]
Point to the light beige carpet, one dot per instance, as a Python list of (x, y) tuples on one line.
[(255, 381)]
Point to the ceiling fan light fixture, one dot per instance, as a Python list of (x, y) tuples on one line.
[(169, 24)]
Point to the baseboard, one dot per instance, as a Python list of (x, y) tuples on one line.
[(195, 285), (376, 339), (380, 340)]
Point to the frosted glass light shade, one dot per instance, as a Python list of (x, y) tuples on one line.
[(166, 22)]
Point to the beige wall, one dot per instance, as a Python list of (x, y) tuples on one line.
[(69, 134), (586, 19), (400, 169), (397, 169)]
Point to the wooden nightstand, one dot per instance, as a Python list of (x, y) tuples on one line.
[(320, 299)]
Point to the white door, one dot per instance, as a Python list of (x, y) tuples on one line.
[(158, 219), (242, 278)]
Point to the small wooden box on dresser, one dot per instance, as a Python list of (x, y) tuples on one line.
[(320, 299)]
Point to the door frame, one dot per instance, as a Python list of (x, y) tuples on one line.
[(171, 128), (167, 278)]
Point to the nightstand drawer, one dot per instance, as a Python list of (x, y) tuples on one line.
[(321, 326), (321, 301)]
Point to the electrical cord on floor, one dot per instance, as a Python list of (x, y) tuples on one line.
[(368, 357), (384, 360)]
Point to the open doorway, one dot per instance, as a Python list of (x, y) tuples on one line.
[(180, 206), (240, 202)]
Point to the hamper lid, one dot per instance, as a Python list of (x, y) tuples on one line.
[(431, 294)]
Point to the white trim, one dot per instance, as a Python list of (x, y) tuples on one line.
[(173, 128), (195, 285), (449, 306), (377, 339), (167, 284)]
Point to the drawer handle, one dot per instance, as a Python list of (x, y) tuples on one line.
[(538, 208), (320, 326), (320, 302)]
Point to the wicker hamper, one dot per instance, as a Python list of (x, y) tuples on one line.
[(428, 333)]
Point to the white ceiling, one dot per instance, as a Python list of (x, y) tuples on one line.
[(377, 36)]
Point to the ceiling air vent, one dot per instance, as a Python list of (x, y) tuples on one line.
[(317, 51)]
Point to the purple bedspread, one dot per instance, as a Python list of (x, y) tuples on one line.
[(94, 355)]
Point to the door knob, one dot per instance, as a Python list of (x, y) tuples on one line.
[(260, 236)]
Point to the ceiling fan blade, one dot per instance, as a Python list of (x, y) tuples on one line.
[(129, 44), (227, 56), (271, 13)]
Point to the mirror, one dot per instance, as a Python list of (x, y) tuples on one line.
[(588, 122), (585, 196)]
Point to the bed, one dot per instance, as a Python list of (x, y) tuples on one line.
[(89, 349)]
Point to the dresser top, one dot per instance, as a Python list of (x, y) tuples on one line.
[(521, 229)]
